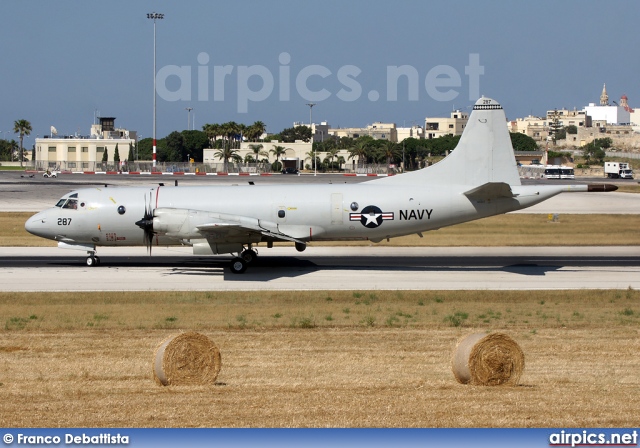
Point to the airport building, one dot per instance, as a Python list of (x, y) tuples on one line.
[(84, 153)]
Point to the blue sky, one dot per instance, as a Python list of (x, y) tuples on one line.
[(62, 61)]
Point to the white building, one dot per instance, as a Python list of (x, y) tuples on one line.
[(438, 127), (618, 114), (610, 114), (78, 153), (413, 132)]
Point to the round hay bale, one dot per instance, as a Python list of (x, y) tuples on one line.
[(488, 360), (186, 359)]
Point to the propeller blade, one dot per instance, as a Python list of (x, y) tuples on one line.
[(146, 223)]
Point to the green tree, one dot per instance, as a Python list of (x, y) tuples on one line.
[(313, 156), (105, 154), (331, 155), (278, 151), (116, 155), (227, 154), (8, 149), (522, 142), (254, 131), (389, 151), (22, 127), (145, 149), (232, 132), (173, 148), (572, 129), (194, 144), (130, 157), (257, 151), (442, 145), (555, 126), (290, 135), (213, 131), (360, 150), (596, 150)]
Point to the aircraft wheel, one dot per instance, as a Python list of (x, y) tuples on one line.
[(91, 261), (97, 260), (249, 255), (238, 265)]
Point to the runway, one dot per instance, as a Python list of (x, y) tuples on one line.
[(318, 268), (326, 268)]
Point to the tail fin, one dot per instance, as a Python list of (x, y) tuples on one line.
[(484, 153)]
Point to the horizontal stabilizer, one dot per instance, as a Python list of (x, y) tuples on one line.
[(491, 190)]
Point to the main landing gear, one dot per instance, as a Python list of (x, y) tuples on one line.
[(239, 264), (92, 259)]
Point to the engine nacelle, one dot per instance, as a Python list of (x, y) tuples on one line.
[(179, 223)]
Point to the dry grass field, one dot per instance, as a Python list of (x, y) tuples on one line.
[(503, 230), (319, 359)]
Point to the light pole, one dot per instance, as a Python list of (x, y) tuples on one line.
[(154, 16), (315, 168), (188, 109)]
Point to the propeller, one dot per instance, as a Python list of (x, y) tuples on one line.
[(146, 223)]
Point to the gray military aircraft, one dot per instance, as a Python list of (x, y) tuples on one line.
[(478, 179)]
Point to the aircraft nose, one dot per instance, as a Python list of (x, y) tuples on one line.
[(37, 224)]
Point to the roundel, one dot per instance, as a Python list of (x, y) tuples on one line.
[(371, 216)]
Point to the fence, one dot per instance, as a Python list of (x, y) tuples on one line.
[(199, 168)]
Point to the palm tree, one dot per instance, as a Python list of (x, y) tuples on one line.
[(226, 154), (212, 131), (390, 151), (312, 155), (332, 153), (22, 127), (257, 150), (279, 151), (256, 130), (230, 130), (360, 150)]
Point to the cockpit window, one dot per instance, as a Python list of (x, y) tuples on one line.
[(71, 203)]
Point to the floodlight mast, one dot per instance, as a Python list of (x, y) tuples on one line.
[(315, 168), (155, 16)]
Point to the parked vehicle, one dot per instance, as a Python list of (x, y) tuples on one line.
[(50, 173), (566, 172), (552, 172), (614, 170), (289, 170)]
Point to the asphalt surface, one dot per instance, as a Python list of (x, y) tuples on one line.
[(325, 268)]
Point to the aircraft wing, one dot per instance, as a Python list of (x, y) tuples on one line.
[(491, 190), (226, 232), (215, 227)]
